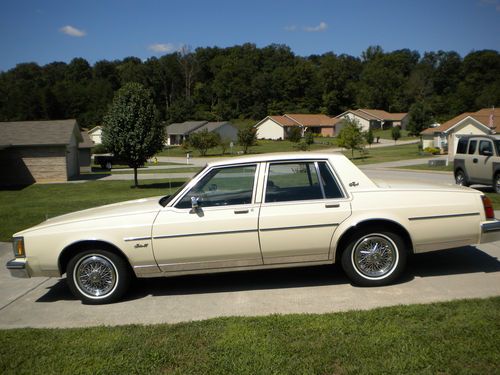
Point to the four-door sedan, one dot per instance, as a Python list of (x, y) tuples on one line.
[(267, 211)]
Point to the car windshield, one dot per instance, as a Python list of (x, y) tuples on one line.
[(168, 198)]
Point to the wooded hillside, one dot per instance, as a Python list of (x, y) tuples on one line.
[(249, 82)]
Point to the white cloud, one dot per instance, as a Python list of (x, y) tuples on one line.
[(162, 47), (314, 29), (72, 31), (290, 28)]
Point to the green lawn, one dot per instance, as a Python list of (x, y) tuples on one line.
[(170, 170), (427, 167), (460, 337), (386, 134), (24, 208), (263, 146), (385, 154)]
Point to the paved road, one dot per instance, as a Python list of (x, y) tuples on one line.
[(466, 272)]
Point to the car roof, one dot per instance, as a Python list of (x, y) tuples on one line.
[(277, 156), (495, 137)]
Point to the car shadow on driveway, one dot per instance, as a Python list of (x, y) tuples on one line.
[(462, 260)]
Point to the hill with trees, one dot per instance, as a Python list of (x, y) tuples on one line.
[(248, 82)]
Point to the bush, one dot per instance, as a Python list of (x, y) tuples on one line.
[(295, 134), (100, 149), (309, 138), (432, 150), (302, 146)]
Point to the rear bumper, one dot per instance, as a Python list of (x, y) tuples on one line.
[(17, 268), (490, 231)]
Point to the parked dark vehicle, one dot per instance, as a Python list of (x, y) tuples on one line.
[(107, 161)]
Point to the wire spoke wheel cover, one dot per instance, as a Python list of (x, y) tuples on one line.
[(375, 256), (95, 276)]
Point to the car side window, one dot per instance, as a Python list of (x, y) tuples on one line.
[(462, 146), (330, 185), (295, 181), (472, 147), (485, 147), (222, 187)]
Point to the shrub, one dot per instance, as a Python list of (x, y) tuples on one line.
[(100, 149), (432, 150)]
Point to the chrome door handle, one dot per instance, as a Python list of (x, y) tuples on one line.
[(237, 212), (332, 205)]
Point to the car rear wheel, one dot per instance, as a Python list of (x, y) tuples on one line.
[(496, 183), (98, 276), (374, 258), (460, 178), (109, 165)]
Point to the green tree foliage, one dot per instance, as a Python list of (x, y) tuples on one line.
[(203, 141), (132, 130), (294, 134), (309, 138), (350, 136), (369, 137), (249, 82), (420, 118), (247, 137), (395, 133)]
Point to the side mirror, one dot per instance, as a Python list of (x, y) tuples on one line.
[(194, 204), (487, 153)]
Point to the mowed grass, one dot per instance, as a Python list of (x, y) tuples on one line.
[(427, 167), (385, 154), (31, 205), (460, 337), (263, 146)]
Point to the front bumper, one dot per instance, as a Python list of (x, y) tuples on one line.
[(490, 231), (17, 268)]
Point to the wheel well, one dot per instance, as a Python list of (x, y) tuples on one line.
[(459, 169), (376, 225), (75, 248)]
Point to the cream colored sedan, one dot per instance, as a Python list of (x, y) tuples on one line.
[(267, 211)]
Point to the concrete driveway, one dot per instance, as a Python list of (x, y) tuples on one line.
[(466, 272)]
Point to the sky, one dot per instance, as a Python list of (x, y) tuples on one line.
[(44, 31)]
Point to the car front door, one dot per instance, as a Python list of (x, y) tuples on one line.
[(481, 166), (303, 203), (220, 232)]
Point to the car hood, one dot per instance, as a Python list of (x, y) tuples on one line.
[(417, 185), (133, 207)]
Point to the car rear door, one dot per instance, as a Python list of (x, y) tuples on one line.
[(303, 203)]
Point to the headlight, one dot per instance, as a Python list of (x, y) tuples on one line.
[(18, 247)]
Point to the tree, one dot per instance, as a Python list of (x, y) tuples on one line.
[(309, 138), (395, 133), (203, 141), (294, 134), (420, 118), (350, 136), (247, 137), (369, 136), (132, 130)]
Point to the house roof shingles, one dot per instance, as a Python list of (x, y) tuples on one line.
[(483, 116), (38, 133), (182, 128), (376, 114), (211, 126), (299, 119)]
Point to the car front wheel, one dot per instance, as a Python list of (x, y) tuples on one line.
[(374, 258), (98, 276)]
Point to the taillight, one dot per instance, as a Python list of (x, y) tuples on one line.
[(488, 207)]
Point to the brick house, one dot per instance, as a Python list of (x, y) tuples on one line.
[(38, 151)]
